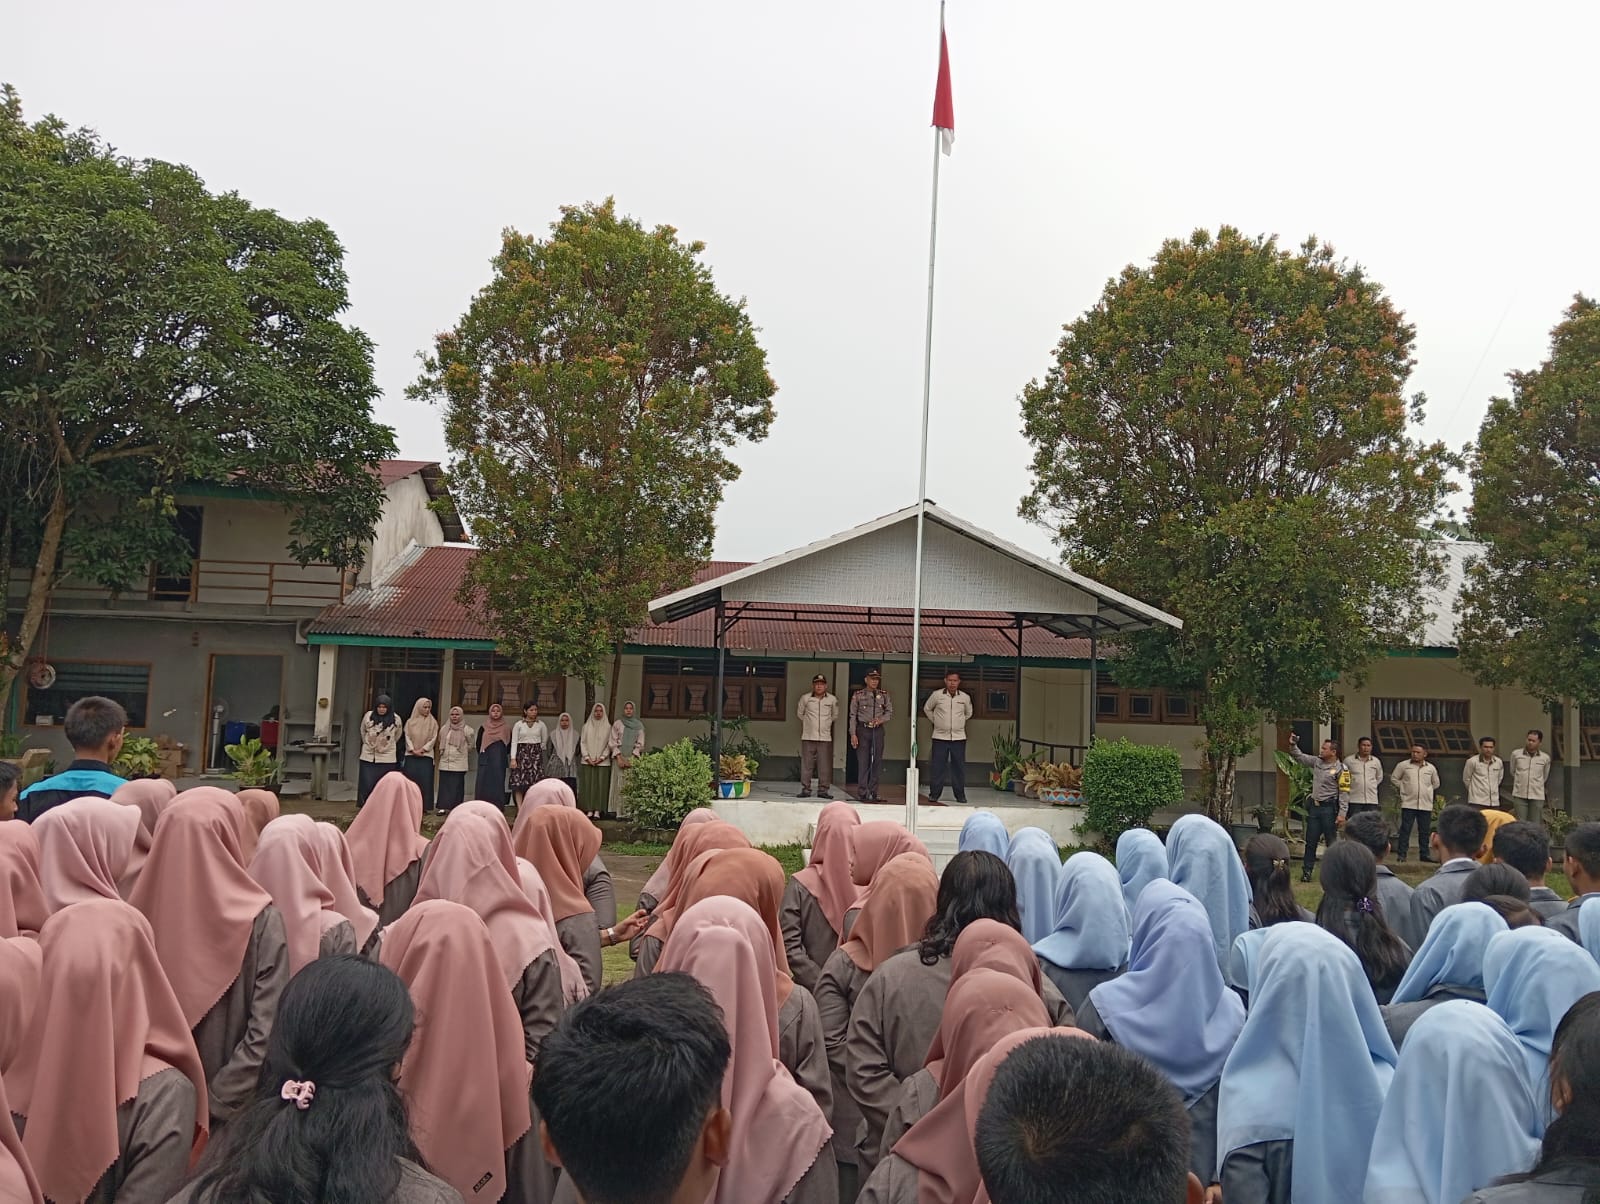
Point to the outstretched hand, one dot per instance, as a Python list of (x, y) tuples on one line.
[(631, 927)]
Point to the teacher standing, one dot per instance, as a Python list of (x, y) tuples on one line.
[(627, 746), (594, 775), (527, 751), (494, 748), (422, 739), (380, 733)]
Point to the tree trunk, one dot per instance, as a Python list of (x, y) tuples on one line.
[(1221, 769), (38, 601), (588, 697), (616, 674)]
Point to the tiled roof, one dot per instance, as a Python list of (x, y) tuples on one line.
[(390, 471), (419, 602)]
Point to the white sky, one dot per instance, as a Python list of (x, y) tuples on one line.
[(1450, 149)]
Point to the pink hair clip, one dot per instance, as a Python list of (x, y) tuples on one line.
[(299, 1094)]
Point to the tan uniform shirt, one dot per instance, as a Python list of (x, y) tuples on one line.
[(1529, 772), (1417, 784), (817, 716)]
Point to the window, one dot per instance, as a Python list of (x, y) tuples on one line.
[(681, 688), (188, 523), (1141, 704), (993, 688), (1589, 742), (127, 684), (482, 678), (1442, 726)]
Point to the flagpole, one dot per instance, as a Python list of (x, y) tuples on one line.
[(913, 786)]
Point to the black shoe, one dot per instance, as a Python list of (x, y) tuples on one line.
[(1402, 858), (1428, 861), (1305, 875), (804, 794), (824, 794)]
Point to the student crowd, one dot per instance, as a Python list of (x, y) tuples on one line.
[(203, 1000)]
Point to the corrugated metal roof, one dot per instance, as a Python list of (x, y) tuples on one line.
[(1444, 595)]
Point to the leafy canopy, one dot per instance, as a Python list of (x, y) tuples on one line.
[(1530, 615), (1224, 435), (593, 391)]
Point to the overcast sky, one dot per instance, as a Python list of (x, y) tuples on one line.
[(1449, 149)]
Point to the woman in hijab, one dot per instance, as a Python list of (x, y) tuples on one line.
[(494, 751), (336, 870), (17, 1180), (1351, 911), (562, 759), (1532, 976), (655, 887), (1202, 859), (903, 901), (778, 1144), (1173, 1009), (597, 887), (1438, 1139), (528, 738), (873, 845), (220, 940), (422, 741), (562, 842), (1141, 859), (260, 808), (21, 967), (464, 1078), (1301, 1090), (386, 847), (285, 867), (572, 985), (817, 899), (150, 797), (692, 844), (594, 775), (109, 1082), (1448, 966), (1088, 940), (1266, 864), (987, 831), (380, 740), (627, 746), (1035, 862), (84, 849), (22, 906), (455, 755)]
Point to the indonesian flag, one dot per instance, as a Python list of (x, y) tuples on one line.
[(944, 107)]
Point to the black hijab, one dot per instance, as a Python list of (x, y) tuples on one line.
[(388, 718)]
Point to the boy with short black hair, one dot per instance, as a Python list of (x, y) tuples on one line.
[(95, 728), (1583, 871), (1526, 848), (1369, 828), (653, 1050), (1457, 842), (1128, 1143)]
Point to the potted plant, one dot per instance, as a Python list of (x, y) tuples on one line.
[(139, 758), (1299, 791), (736, 772), (1060, 784), (1007, 756), (254, 766)]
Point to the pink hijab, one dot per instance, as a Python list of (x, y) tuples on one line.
[(465, 1077), (386, 835), (827, 876), (151, 796), (561, 843), (690, 846), (999, 948), (107, 1021), (573, 986), (21, 968), (873, 845), (199, 900), (754, 878), (284, 865), (656, 885), (980, 1009), (337, 871), (17, 1182), (84, 849), (903, 900), (778, 1129), (261, 807), (472, 864), (22, 906), (547, 792)]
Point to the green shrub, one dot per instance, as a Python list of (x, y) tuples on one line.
[(665, 785), (1125, 783)]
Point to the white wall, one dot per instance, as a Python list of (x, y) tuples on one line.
[(406, 519)]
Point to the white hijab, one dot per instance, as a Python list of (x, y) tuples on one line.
[(596, 737)]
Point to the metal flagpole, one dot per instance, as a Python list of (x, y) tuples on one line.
[(913, 786)]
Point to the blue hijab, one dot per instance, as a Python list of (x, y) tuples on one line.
[(1311, 1065), (1035, 863), (1533, 975), (1452, 953), (1091, 925), (1141, 859), (986, 831), (1241, 971), (1203, 861), (1589, 927), (1439, 1139), (1172, 1006)]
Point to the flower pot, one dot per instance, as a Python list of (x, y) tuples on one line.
[(1019, 787), (739, 789), (998, 781)]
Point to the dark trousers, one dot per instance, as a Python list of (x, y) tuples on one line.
[(949, 762), (816, 762), (1356, 809), (368, 776), (1322, 823), (869, 760), (1424, 824), (452, 788)]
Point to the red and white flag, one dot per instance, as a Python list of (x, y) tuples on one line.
[(944, 106)]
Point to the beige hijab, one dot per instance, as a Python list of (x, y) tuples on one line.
[(107, 1021), (565, 740), (285, 867), (84, 849), (386, 835), (337, 871), (595, 742), (656, 886), (22, 906), (150, 796), (561, 843), (422, 730)]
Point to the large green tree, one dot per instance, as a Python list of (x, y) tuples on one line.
[(1224, 435), (1531, 607), (594, 389), (153, 334)]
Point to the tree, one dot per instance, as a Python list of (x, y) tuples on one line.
[(593, 389), (1224, 435), (1529, 607), (154, 335)]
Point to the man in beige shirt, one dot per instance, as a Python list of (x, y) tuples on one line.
[(1481, 775), (1530, 770), (818, 712), (949, 709)]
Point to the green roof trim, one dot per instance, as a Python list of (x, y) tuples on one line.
[(390, 641), (1426, 653)]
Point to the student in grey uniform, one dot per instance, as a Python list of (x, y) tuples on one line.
[(386, 846), (1583, 872), (1202, 858), (285, 866), (1456, 843), (597, 887), (1439, 1135), (817, 899), (1266, 864), (1394, 894), (1302, 1088), (344, 1025), (108, 1085), (1089, 939), (1448, 966), (1173, 1008), (1568, 1167), (1141, 859), (1351, 911), (1495, 879), (221, 942), (1526, 848), (1130, 1148)]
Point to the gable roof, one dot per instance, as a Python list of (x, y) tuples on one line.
[(433, 479)]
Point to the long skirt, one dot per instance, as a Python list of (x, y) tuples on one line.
[(616, 805), (420, 771), (527, 770), (452, 788), (368, 776), (491, 784), (594, 787)]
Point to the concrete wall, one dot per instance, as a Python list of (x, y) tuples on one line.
[(406, 520)]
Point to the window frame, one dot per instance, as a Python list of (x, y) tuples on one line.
[(549, 690), (685, 683), (25, 712), (1443, 726)]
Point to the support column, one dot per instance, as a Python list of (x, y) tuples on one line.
[(327, 670), (1094, 675), (441, 712), (716, 701), (841, 732), (1018, 729), (1572, 755)]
